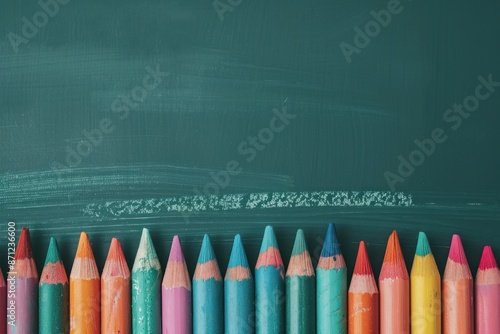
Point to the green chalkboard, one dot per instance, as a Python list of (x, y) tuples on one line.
[(220, 117)]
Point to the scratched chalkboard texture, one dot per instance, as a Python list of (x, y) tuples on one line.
[(221, 117)]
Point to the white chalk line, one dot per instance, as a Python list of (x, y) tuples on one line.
[(250, 201)]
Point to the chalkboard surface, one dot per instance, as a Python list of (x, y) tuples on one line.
[(220, 117)]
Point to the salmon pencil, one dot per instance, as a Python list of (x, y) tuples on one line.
[(239, 293), (84, 291), (269, 287), (208, 308), (146, 285), (394, 284), (425, 282), (115, 292), (3, 304), (54, 294), (22, 317), (458, 292), (488, 294), (300, 290), (176, 293), (331, 290), (363, 297)]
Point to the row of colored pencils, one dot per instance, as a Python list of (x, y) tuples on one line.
[(298, 300)]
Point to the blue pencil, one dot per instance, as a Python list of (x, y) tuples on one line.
[(270, 287), (208, 311), (238, 293)]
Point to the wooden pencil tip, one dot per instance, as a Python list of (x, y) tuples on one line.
[(53, 255), (115, 265), (394, 263), (238, 256), (176, 253), (207, 252), (457, 253), (299, 246), (423, 247), (24, 250), (488, 260), (362, 266), (84, 249), (269, 239), (115, 250)]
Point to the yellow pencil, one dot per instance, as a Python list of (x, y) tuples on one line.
[(425, 290)]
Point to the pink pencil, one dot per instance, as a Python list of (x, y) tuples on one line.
[(176, 293), (3, 304), (458, 292), (25, 295), (488, 294)]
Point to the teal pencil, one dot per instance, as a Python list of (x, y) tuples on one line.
[(331, 289), (239, 293), (208, 309), (270, 287), (53, 292), (300, 290), (146, 284)]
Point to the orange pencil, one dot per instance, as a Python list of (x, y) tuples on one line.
[(458, 292), (84, 291), (394, 284), (363, 297), (115, 292)]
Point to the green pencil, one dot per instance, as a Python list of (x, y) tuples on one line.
[(146, 284), (300, 290), (53, 291)]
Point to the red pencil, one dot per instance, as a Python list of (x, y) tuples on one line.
[(488, 294), (363, 299), (115, 292), (458, 291), (394, 284)]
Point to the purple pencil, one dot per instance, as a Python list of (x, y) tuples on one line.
[(176, 293), (24, 276)]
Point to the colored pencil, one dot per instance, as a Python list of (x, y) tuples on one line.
[(53, 291), (300, 289), (425, 282), (176, 293), (458, 292), (208, 309), (363, 297), (239, 293), (488, 294), (3, 304), (115, 292), (394, 284), (84, 291), (331, 290), (270, 287), (146, 288), (24, 276)]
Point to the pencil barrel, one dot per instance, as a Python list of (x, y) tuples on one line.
[(331, 301), (53, 308)]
